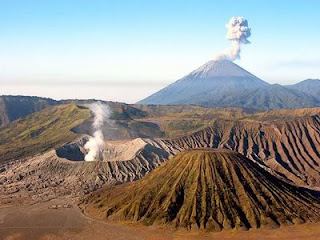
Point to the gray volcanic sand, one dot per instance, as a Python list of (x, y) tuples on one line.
[(34, 221), (38, 222)]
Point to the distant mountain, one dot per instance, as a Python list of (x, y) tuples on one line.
[(209, 83), (14, 107), (207, 189), (309, 86), (223, 83), (270, 97)]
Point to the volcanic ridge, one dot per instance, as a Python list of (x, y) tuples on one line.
[(207, 189)]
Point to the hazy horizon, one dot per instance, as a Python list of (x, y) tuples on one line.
[(127, 50)]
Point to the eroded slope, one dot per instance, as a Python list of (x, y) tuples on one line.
[(207, 189), (291, 149)]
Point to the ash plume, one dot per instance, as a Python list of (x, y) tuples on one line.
[(238, 33), (96, 143)]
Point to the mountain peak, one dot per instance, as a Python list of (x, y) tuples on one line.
[(207, 85), (220, 68)]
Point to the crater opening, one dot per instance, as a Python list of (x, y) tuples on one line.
[(113, 151), (74, 151)]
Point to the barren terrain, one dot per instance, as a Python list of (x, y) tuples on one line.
[(40, 222), (43, 157)]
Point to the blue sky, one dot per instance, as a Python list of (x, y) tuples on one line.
[(126, 49)]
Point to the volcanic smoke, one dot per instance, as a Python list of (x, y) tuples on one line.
[(238, 33), (96, 143)]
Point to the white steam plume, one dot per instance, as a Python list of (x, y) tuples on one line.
[(238, 33), (96, 143)]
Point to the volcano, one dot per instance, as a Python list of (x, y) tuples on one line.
[(222, 83), (207, 85), (207, 189)]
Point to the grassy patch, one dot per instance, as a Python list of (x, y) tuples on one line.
[(40, 131), (175, 128)]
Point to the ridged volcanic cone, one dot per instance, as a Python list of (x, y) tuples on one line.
[(208, 189)]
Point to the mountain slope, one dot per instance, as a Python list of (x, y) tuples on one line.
[(269, 97), (207, 189), (215, 79), (289, 148), (15, 107), (222, 83), (309, 86), (40, 131)]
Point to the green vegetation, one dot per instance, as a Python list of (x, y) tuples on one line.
[(186, 111), (284, 114), (180, 120), (40, 131), (176, 127)]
